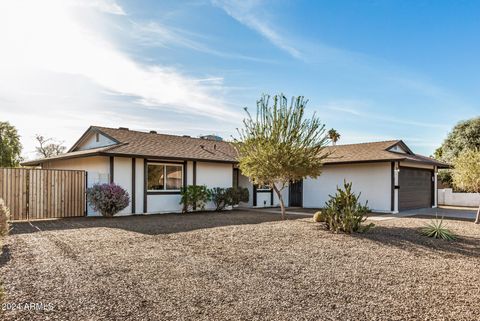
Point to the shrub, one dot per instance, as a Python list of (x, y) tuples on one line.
[(194, 197), (223, 197), (319, 217), (108, 199), (219, 198), (4, 217), (437, 230), (344, 213)]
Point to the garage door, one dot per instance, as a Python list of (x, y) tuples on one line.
[(415, 188)]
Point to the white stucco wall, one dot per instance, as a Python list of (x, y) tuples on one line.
[(122, 176), (91, 142), (372, 180), (446, 196), (214, 175)]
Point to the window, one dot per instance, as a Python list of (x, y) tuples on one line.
[(164, 177)]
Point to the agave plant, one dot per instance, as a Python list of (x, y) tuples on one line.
[(437, 229)]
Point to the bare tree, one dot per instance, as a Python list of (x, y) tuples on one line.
[(48, 147)]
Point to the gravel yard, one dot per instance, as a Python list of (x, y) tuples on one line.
[(238, 266)]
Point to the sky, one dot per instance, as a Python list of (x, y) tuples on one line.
[(373, 69)]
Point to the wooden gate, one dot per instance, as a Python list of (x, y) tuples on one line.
[(43, 193)]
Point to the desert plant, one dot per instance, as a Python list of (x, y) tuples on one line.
[(438, 230), (235, 195), (108, 199), (194, 197), (223, 197), (344, 213), (219, 197), (4, 218), (319, 217)]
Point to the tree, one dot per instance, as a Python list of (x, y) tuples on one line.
[(48, 147), (10, 146), (465, 135), (334, 136), (466, 173), (280, 145)]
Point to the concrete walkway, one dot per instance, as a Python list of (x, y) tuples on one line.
[(446, 212)]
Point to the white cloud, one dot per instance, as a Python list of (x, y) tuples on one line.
[(107, 6), (55, 73), (247, 13)]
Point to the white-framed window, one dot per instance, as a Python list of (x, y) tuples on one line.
[(164, 177)]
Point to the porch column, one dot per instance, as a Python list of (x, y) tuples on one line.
[(396, 181), (435, 188)]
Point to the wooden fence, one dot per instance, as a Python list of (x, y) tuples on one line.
[(43, 193)]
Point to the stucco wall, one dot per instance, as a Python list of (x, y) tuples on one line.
[(214, 175), (446, 196), (122, 176), (372, 180)]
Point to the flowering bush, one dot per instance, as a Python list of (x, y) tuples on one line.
[(108, 199)]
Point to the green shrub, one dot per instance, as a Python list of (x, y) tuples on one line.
[(319, 217), (194, 197), (4, 217), (344, 213), (223, 197), (438, 230), (108, 199)]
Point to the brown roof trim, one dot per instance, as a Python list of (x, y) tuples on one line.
[(107, 154), (434, 163)]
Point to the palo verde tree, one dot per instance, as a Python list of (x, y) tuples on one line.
[(10, 146), (280, 144), (466, 173)]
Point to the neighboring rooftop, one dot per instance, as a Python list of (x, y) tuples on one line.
[(131, 143)]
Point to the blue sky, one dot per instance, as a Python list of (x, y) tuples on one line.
[(374, 70)]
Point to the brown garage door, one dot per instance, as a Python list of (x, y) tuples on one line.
[(415, 188)]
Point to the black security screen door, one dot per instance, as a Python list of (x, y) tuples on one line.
[(295, 197)]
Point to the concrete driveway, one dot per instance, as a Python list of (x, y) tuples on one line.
[(447, 212)]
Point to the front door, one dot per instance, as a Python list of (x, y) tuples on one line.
[(295, 195)]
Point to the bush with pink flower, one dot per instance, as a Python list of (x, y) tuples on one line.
[(108, 199)]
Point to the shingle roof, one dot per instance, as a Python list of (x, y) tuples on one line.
[(153, 145), (169, 146), (374, 152)]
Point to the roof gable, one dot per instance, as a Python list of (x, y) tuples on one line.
[(93, 138)]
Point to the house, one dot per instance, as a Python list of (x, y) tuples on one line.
[(153, 167)]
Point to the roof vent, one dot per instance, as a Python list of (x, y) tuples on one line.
[(153, 132), (123, 128), (187, 136)]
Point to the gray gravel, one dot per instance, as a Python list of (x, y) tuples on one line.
[(238, 266)]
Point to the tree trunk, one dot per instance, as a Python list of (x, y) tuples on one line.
[(282, 204), (477, 219)]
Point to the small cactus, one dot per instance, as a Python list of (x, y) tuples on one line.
[(319, 217)]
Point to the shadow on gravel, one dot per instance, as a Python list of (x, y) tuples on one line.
[(5, 256), (410, 239), (154, 224)]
